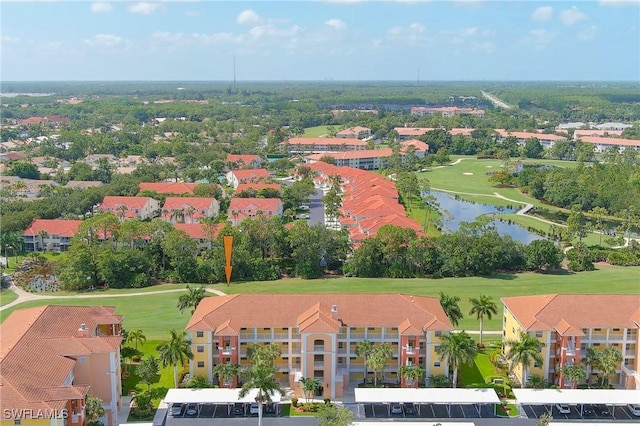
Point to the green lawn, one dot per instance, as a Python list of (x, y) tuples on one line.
[(7, 296), (163, 382), (315, 132)]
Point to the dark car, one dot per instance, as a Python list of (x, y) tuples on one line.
[(588, 410), (192, 410), (238, 409), (396, 409), (176, 410), (409, 409)]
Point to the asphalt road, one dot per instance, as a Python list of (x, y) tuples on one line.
[(316, 208)]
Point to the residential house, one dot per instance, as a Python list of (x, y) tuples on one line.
[(602, 144), (176, 188), (545, 139), (447, 111), (318, 335), (189, 209), (243, 208), (240, 161), (319, 145), (203, 234), (357, 132), (580, 133), (28, 189), (129, 207), (51, 120), (93, 160), (52, 358), (83, 184), (257, 186), (236, 177), (569, 324), (50, 234), (613, 126)]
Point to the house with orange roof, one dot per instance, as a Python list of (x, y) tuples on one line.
[(129, 207), (50, 234), (318, 335), (357, 132), (203, 234), (319, 145), (52, 358), (257, 186), (546, 140), (236, 177), (176, 188), (243, 208), (189, 209), (447, 111), (569, 324), (244, 161), (580, 133), (605, 144), (406, 133)]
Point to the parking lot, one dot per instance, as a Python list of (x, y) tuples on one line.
[(222, 411), (600, 412), (428, 411)]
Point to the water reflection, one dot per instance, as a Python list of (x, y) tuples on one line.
[(456, 211)]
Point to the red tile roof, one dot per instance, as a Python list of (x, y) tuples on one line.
[(61, 227), (257, 186), (199, 203), (326, 141), (243, 158), (248, 174), (314, 311), (254, 204), (168, 187), (199, 230), (114, 201), (610, 141)]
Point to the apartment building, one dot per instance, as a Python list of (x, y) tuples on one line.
[(357, 132), (318, 334), (568, 324), (319, 145), (189, 209), (49, 234), (245, 161), (236, 177), (53, 357), (130, 207), (177, 188), (605, 144), (546, 140), (243, 208)]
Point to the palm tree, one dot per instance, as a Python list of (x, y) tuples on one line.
[(42, 234), (190, 210), (608, 362), (225, 373), (412, 374), (590, 361), (484, 306), (192, 299), (176, 350), (378, 360), (575, 373), (264, 355), (438, 381), (263, 379), (536, 382), (451, 307), (93, 408), (364, 350), (456, 349), (310, 387), (523, 351), (137, 337)]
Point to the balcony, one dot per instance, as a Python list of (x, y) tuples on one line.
[(570, 350), (630, 353), (410, 350), (357, 336), (374, 336), (226, 350), (318, 364), (318, 348)]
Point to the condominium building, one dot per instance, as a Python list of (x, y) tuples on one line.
[(52, 357), (568, 324), (318, 334)]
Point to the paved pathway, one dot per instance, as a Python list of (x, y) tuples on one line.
[(25, 296)]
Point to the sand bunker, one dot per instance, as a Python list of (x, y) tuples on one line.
[(468, 174)]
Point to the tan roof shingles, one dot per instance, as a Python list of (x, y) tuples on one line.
[(544, 312), (274, 310)]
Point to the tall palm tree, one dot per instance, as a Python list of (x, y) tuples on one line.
[(608, 362), (523, 351), (225, 373), (189, 211), (483, 306), (412, 374), (137, 337), (451, 307), (264, 355), (378, 360), (192, 299), (176, 350), (263, 379), (575, 373), (310, 386), (456, 349), (590, 361), (536, 382), (364, 350)]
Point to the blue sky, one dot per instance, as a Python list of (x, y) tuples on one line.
[(319, 40)]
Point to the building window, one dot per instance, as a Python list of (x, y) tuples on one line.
[(596, 344), (436, 364), (199, 333), (17, 422), (200, 364), (318, 345), (438, 333), (596, 329), (536, 365), (616, 329), (538, 333), (200, 348)]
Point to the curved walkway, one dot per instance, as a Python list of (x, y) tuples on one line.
[(25, 296)]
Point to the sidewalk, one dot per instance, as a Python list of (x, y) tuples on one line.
[(125, 408)]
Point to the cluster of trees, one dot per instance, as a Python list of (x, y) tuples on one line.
[(475, 249)]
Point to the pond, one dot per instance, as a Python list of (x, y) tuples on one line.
[(456, 211)]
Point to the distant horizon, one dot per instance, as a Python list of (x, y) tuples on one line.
[(321, 41)]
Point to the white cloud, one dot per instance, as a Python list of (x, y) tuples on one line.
[(105, 40), (144, 8), (101, 7), (218, 38), (543, 13), (539, 38), (412, 35), (168, 37), (248, 17), (619, 3), (336, 23), (572, 16), (588, 33), (416, 27)]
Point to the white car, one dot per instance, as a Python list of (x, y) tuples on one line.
[(635, 409), (254, 409), (563, 409)]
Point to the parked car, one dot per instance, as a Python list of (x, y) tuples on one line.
[(588, 410), (303, 216), (409, 409), (176, 409), (303, 207), (238, 409), (396, 409), (563, 408), (254, 409), (635, 409), (192, 410)]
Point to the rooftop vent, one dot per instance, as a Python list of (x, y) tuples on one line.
[(334, 309), (83, 327)]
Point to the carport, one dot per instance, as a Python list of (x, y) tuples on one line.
[(581, 397), (445, 396), (213, 396)]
